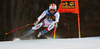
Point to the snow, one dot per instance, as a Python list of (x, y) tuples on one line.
[(71, 43)]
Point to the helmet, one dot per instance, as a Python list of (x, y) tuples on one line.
[(52, 6)]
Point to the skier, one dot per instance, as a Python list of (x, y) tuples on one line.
[(51, 20)]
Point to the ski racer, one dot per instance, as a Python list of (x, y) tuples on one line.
[(51, 20)]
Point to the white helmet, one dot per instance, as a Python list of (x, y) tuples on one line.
[(52, 6)]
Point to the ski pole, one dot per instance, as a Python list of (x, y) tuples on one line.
[(51, 34), (19, 28), (54, 32)]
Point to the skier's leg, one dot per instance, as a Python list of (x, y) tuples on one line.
[(33, 29), (51, 26), (38, 26)]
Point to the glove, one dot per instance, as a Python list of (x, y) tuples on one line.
[(55, 25), (36, 23)]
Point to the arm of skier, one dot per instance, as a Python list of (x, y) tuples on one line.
[(39, 18), (57, 19)]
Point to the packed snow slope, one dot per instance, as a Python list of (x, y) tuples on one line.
[(73, 43)]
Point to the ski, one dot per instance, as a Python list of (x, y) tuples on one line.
[(29, 33)]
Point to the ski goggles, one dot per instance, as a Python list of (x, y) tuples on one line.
[(52, 10)]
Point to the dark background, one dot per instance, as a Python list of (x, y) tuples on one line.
[(16, 13)]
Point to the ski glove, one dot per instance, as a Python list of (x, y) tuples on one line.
[(36, 23), (55, 25)]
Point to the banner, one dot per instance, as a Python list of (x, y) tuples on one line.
[(70, 6)]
